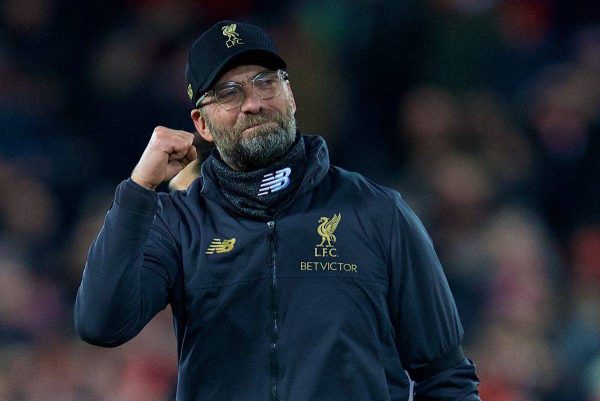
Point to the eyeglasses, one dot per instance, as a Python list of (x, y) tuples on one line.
[(230, 95)]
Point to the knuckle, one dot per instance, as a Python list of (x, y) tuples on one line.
[(157, 136), (162, 131)]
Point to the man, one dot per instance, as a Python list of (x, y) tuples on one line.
[(289, 279)]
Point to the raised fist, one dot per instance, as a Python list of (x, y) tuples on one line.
[(167, 153)]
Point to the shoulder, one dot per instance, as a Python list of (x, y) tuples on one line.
[(357, 186), (368, 199), (377, 199), (178, 205)]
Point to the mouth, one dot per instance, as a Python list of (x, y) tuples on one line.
[(252, 127)]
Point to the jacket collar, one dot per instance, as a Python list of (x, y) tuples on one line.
[(316, 169)]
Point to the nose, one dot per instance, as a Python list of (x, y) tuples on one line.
[(251, 103)]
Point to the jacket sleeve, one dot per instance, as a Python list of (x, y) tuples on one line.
[(428, 328), (130, 270)]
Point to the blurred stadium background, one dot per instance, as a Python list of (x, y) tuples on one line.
[(483, 113)]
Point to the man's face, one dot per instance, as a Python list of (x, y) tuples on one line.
[(255, 134)]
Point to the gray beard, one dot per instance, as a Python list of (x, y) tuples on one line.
[(260, 148)]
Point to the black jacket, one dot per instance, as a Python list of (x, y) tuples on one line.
[(336, 299)]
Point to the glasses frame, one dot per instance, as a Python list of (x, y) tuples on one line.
[(281, 75)]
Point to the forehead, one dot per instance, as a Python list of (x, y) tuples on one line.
[(241, 73)]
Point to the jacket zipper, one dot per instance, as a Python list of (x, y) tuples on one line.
[(275, 328), (274, 301), (274, 294)]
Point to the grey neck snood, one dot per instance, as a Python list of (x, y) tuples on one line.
[(261, 193)]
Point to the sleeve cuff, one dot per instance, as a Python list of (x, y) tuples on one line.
[(135, 198), (447, 361)]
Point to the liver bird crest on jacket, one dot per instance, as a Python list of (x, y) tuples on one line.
[(326, 229)]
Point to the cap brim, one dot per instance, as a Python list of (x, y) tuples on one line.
[(261, 57)]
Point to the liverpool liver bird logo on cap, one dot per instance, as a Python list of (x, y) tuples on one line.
[(233, 38)]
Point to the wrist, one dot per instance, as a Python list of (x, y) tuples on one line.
[(143, 183)]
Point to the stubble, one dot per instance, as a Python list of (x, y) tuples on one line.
[(270, 136)]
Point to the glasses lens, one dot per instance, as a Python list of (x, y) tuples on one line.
[(267, 85), (229, 96)]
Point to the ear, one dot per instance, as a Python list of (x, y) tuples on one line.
[(201, 126), (290, 96)]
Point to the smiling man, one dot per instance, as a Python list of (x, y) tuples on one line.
[(289, 279)]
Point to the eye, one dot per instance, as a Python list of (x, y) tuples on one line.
[(266, 81), (227, 93)]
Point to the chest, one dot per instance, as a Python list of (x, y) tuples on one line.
[(223, 249)]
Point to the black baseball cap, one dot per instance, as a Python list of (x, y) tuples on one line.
[(224, 46)]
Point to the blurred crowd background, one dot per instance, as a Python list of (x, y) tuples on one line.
[(484, 114)]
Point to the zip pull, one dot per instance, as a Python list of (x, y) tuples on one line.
[(411, 387)]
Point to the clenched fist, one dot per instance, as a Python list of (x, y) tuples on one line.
[(167, 153)]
